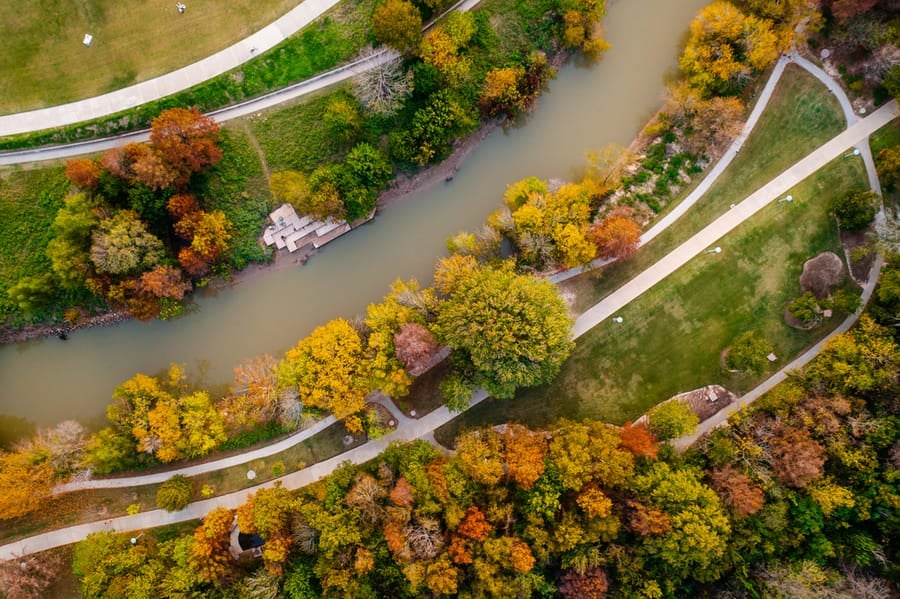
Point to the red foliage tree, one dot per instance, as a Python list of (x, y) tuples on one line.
[(590, 584), (415, 346), (182, 204), (638, 440), (797, 458), (84, 173), (186, 141), (617, 235), (192, 262), (844, 9), (28, 577), (737, 491), (647, 520)]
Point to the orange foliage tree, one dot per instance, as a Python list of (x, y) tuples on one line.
[(524, 452), (736, 491), (617, 235), (474, 526), (186, 141), (84, 172), (638, 440), (210, 556)]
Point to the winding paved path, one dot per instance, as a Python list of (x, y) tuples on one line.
[(413, 429), (117, 103)]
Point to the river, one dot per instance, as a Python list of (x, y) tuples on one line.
[(587, 106)]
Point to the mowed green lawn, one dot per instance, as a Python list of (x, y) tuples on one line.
[(671, 338), (800, 116), (43, 61)]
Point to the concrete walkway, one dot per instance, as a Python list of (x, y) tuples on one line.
[(197, 469), (242, 109)]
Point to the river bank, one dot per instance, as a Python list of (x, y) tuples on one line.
[(402, 188)]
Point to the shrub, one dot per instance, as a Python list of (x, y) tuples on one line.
[(671, 420), (748, 353), (856, 210), (175, 494)]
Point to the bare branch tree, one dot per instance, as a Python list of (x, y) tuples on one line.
[(382, 88)]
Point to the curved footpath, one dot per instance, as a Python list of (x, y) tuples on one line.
[(58, 116), (413, 429), (236, 460)]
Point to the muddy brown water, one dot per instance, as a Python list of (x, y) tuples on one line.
[(587, 106)]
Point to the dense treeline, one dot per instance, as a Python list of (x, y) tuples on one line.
[(134, 234), (798, 497), (506, 331)]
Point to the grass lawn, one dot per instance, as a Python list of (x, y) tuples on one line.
[(28, 204), (800, 117), (238, 187), (99, 504), (673, 335), (44, 62)]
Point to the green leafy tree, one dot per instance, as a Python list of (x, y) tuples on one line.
[(805, 308), (513, 329), (175, 494), (32, 293), (122, 245), (696, 542), (433, 126), (69, 249), (109, 567), (672, 419), (342, 118), (888, 162), (371, 170), (748, 353), (856, 210), (398, 24)]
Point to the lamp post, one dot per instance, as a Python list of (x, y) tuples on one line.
[(715, 250), (855, 152), (787, 198)]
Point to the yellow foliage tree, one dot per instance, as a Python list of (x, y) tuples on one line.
[(725, 46), (329, 369), (24, 483)]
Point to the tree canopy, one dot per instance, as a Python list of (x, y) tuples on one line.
[(513, 329)]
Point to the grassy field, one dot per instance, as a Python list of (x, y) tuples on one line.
[(799, 118), (240, 189), (673, 335), (44, 62)]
